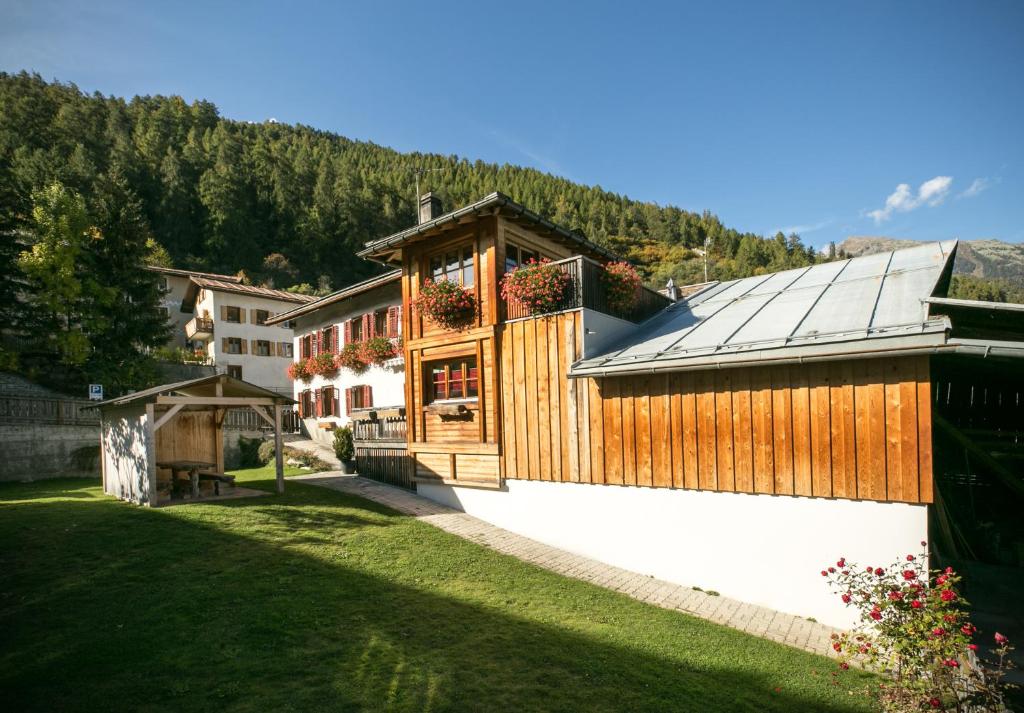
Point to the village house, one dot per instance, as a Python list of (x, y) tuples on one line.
[(369, 392), (228, 328), (175, 284), (736, 439)]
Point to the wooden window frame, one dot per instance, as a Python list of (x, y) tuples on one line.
[(257, 320), (464, 364), (232, 341), (227, 314), (519, 249), (260, 344), (460, 249), (235, 366)]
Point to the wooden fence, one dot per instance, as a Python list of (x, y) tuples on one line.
[(31, 409), (386, 462), (248, 420)]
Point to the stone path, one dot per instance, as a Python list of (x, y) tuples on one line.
[(750, 618), (322, 452)]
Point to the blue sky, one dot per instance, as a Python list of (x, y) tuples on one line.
[(833, 119)]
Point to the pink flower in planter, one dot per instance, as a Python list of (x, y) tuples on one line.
[(1000, 639)]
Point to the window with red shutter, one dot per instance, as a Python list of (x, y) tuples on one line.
[(394, 318), (367, 397), (368, 326), (334, 338), (348, 401), (348, 331)]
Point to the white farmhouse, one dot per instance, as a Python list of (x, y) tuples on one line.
[(349, 316), (175, 283), (229, 325)]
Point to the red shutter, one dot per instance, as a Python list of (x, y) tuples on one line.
[(348, 401), (394, 313), (368, 326), (348, 331), (334, 338), (320, 348), (367, 396), (319, 406), (302, 404)]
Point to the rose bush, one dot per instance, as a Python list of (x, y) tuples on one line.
[(915, 628), (622, 284), (446, 303), (541, 286)]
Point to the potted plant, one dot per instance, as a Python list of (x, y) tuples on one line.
[(351, 357), (622, 285), (299, 370), (323, 364), (446, 303), (541, 286), (344, 448), (377, 350)]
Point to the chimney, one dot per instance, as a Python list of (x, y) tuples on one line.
[(430, 207), (671, 291)]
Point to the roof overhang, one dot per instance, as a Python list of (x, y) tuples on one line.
[(340, 296), (388, 250), (208, 391)]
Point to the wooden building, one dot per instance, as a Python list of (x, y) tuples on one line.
[(737, 439)]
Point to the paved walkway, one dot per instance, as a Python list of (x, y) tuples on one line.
[(322, 452), (753, 619)]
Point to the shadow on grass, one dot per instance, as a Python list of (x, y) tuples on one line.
[(224, 606)]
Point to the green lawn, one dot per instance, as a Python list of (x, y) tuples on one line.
[(319, 601)]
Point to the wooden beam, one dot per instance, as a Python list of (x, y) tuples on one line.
[(1006, 476), (278, 450), (470, 447), (264, 415), (150, 442), (168, 415), (216, 400)]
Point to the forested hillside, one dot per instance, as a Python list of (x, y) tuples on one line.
[(93, 187), (225, 196)]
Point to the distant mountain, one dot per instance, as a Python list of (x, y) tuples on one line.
[(980, 258), (985, 269)]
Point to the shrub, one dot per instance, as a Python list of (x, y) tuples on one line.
[(622, 284), (324, 364), (299, 370), (351, 358), (541, 286), (377, 350), (915, 628), (248, 452), (344, 447), (265, 453), (446, 303)]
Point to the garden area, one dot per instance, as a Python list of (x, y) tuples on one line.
[(314, 600)]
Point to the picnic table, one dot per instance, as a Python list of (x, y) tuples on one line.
[(192, 467)]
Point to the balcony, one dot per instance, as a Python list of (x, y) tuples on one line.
[(199, 329), (588, 291)]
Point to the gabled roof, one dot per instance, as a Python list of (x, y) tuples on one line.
[(339, 296), (190, 273), (206, 283), (872, 303), (386, 249), (204, 386)]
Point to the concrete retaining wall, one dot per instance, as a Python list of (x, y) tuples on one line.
[(36, 451)]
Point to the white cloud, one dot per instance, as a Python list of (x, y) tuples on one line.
[(931, 193), (978, 185), (804, 228)]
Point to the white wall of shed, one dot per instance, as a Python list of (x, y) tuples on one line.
[(124, 454), (762, 549)]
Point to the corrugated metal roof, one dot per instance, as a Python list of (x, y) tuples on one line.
[(267, 292), (845, 305)]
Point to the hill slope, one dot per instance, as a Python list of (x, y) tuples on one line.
[(291, 204)]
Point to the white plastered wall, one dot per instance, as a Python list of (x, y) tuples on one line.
[(762, 549), (125, 464)]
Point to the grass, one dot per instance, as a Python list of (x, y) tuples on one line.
[(317, 601)]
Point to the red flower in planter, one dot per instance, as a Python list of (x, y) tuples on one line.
[(541, 286), (622, 284), (446, 303)]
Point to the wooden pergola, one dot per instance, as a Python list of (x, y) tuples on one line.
[(177, 422)]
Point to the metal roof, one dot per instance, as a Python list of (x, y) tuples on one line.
[(338, 296), (203, 386), (252, 290), (384, 247), (865, 304), (190, 273)]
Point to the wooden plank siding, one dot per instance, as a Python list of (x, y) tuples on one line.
[(855, 429)]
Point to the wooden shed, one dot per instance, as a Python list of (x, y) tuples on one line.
[(176, 423)]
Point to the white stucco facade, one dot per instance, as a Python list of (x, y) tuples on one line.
[(386, 381), (763, 549)]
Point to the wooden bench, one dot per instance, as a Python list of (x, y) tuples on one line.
[(217, 479)]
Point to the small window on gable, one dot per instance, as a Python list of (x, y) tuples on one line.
[(455, 264)]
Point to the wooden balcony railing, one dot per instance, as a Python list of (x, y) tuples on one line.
[(199, 328), (379, 424), (588, 290)]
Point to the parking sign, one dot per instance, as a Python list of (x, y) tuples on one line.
[(95, 392)]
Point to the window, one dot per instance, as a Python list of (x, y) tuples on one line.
[(235, 371), (233, 314), (287, 324), (306, 346), (455, 379), (355, 330), (306, 404), (328, 402), (380, 323), (328, 339), (163, 284), (262, 316), (285, 349), (262, 348), (358, 397), (234, 345), (456, 265), (516, 256)]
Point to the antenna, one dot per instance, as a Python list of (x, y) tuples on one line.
[(422, 172)]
